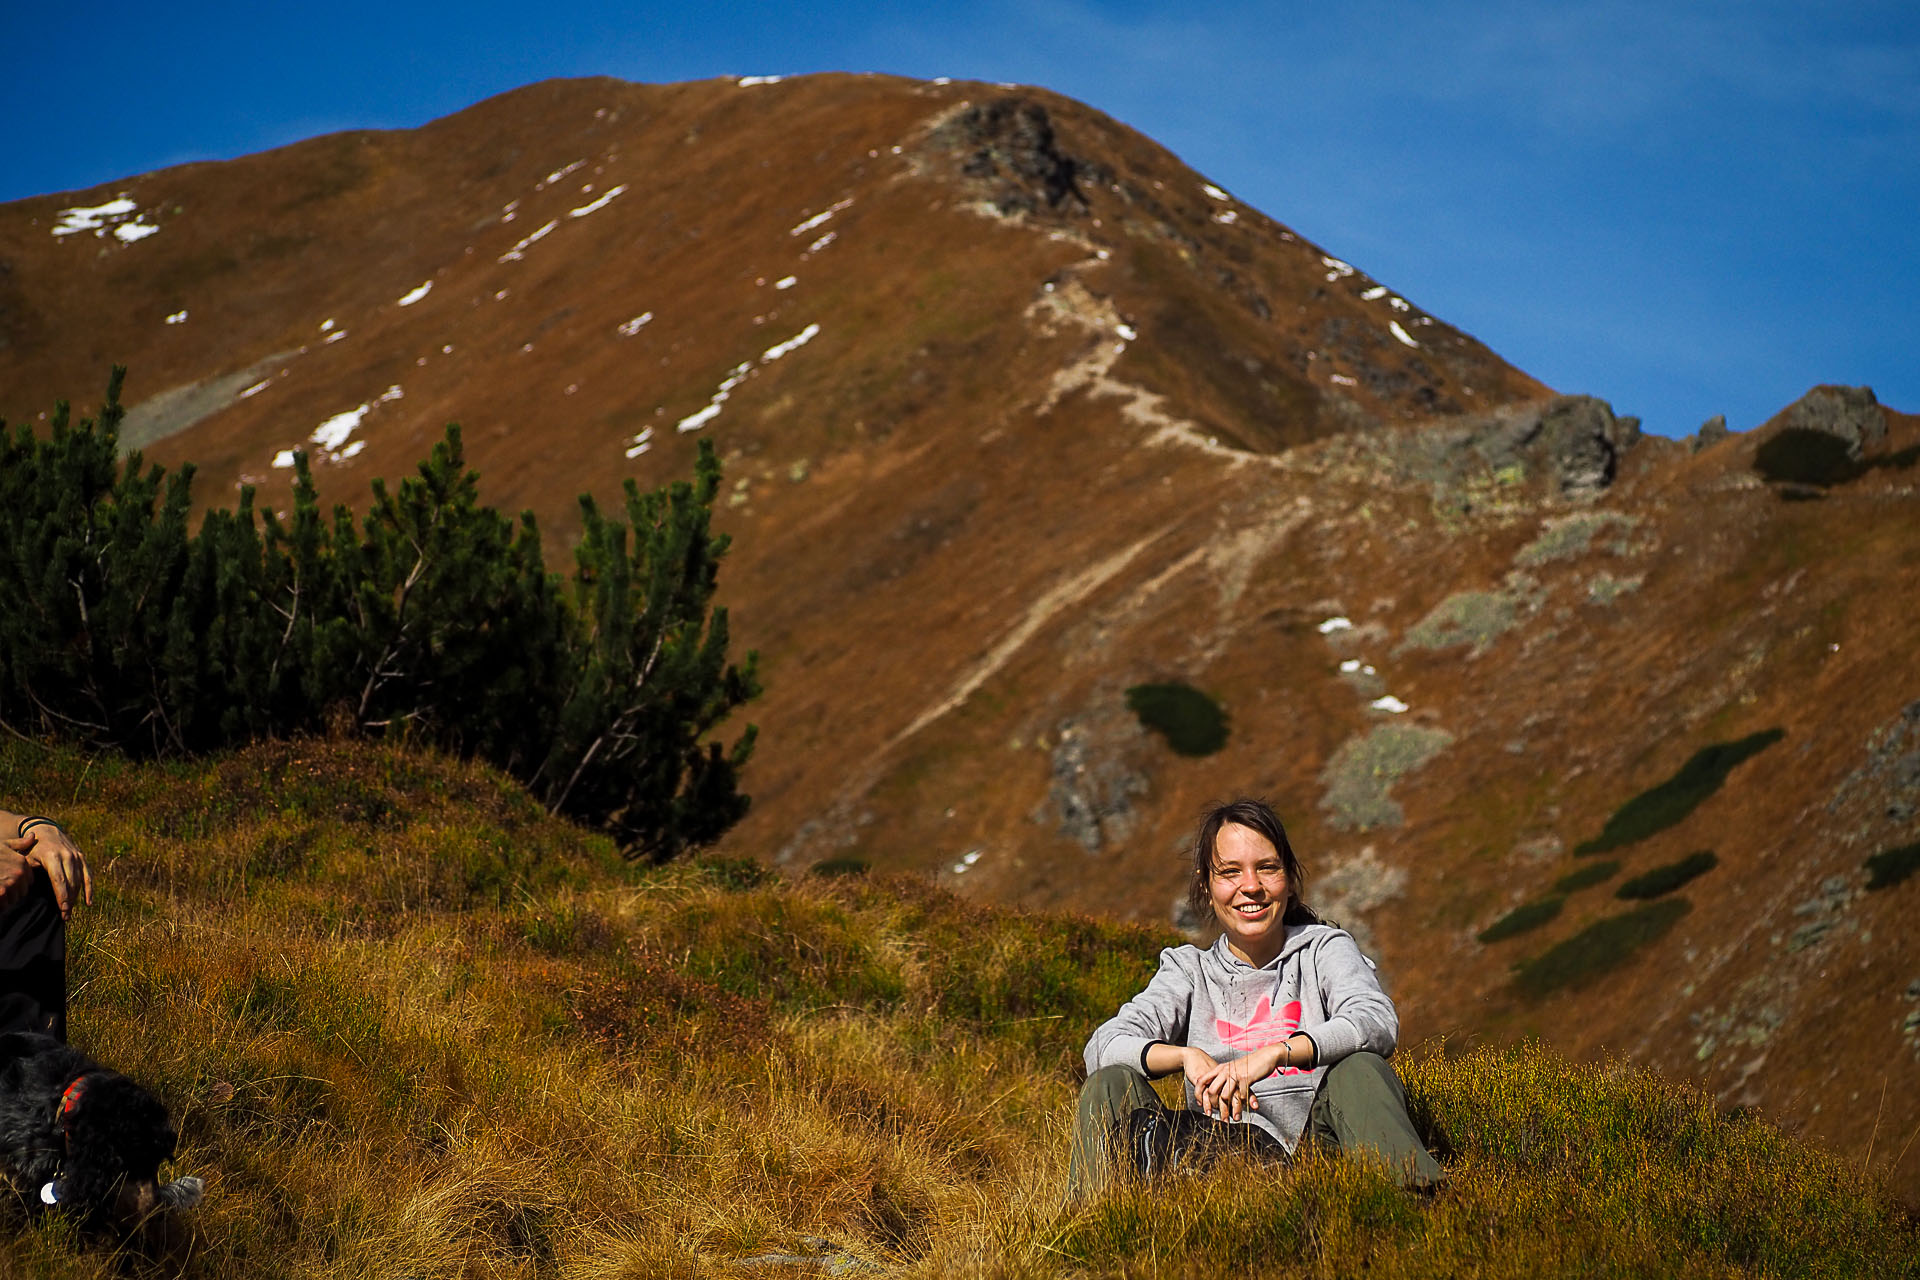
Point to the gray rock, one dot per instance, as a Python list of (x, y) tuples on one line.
[(1583, 442), (1095, 780), (1711, 432), (1850, 413)]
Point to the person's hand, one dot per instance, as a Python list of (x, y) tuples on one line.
[(48, 847), (15, 875), (1227, 1089)]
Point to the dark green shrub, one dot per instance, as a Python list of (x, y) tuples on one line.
[(1890, 866), (1523, 918), (1666, 805), (433, 619), (1798, 455), (1664, 880), (1591, 874), (1192, 723), (844, 865), (1598, 949)]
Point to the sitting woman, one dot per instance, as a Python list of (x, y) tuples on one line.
[(1280, 1028)]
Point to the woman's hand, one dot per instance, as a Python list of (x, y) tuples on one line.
[(47, 847), (1227, 1089)]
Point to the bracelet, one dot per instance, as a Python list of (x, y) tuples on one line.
[(28, 824)]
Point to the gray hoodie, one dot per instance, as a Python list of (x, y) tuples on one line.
[(1216, 1002)]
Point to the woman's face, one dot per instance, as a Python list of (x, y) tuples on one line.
[(1249, 889)]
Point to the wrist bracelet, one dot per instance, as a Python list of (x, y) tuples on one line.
[(28, 824)]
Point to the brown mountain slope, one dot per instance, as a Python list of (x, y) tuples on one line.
[(1019, 414)]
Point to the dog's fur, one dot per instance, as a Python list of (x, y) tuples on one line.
[(105, 1153)]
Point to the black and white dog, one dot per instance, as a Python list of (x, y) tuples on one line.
[(83, 1139)]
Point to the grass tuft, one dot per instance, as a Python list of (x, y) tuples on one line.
[(1598, 949), (1192, 723), (1668, 804), (425, 1030), (1663, 880)]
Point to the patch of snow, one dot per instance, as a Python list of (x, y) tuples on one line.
[(519, 251), (178, 317), (326, 326), (794, 343), (84, 218), (695, 421), (1393, 327), (500, 295), (1350, 666), (333, 433), (823, 242), (1336, 269), (635, 325), (128, 232), (390, 394), (641, 443), (1398, 304), (255, 389), (1332, 625), (747, 82), (558, 174), (966, 861), (1226, 218), (1126, 331), (785, 283), (284, 458), (820, 217), (943, 79), (601, 203), (1374, 294), (1343, 380), (1102, 254), (350, 450), (1389, 704), (336, 335), (896, 149), (447, 350), (1215, 192), (415, 295)]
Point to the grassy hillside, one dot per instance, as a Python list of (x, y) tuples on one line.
[(412, 1027)]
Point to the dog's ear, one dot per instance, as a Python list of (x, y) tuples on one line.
[(183, 1193)]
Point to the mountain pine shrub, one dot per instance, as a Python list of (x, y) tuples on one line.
[(1669, 803), (1665, 879), (1192, 723), (432, 618), (1524, 918), (1585, 877), (1890, 866), (1598, 949)]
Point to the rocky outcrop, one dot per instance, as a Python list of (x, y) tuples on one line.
[(1850, 414), (1008, 145)]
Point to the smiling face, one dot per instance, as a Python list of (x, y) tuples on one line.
[(1249, 889)]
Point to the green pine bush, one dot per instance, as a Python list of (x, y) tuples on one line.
[(1523, 919), (1668, 804), (1665, 879), (1598, 949), (1192, 723), (1591, 874), (432, 618), (1890, 866)]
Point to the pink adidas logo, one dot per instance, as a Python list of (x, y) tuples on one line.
[(1264, 1028)]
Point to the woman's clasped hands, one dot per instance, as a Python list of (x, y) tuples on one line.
[(1225, 1089)]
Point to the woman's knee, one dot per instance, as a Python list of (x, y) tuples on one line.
[(1117, 1080)]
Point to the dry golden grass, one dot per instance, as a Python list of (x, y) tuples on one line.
[(412, 1027)]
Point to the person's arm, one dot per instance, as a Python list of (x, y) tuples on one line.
[(1359, 1013), (38, 841), (1148, 1025)]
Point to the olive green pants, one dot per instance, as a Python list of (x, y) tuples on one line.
[(1360, 1108)]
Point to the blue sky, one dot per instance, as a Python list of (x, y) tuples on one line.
[(1688, 208)]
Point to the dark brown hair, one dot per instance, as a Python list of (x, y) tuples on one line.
[(1255, 815)]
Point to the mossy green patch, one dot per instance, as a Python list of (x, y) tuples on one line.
[(1524, 918), (1669, 803), (1598, 949), (1192, 723), (1564, 537), (1890, 866), (1591, 874), (1476, 618), (1665, 879), (1360, 774)]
